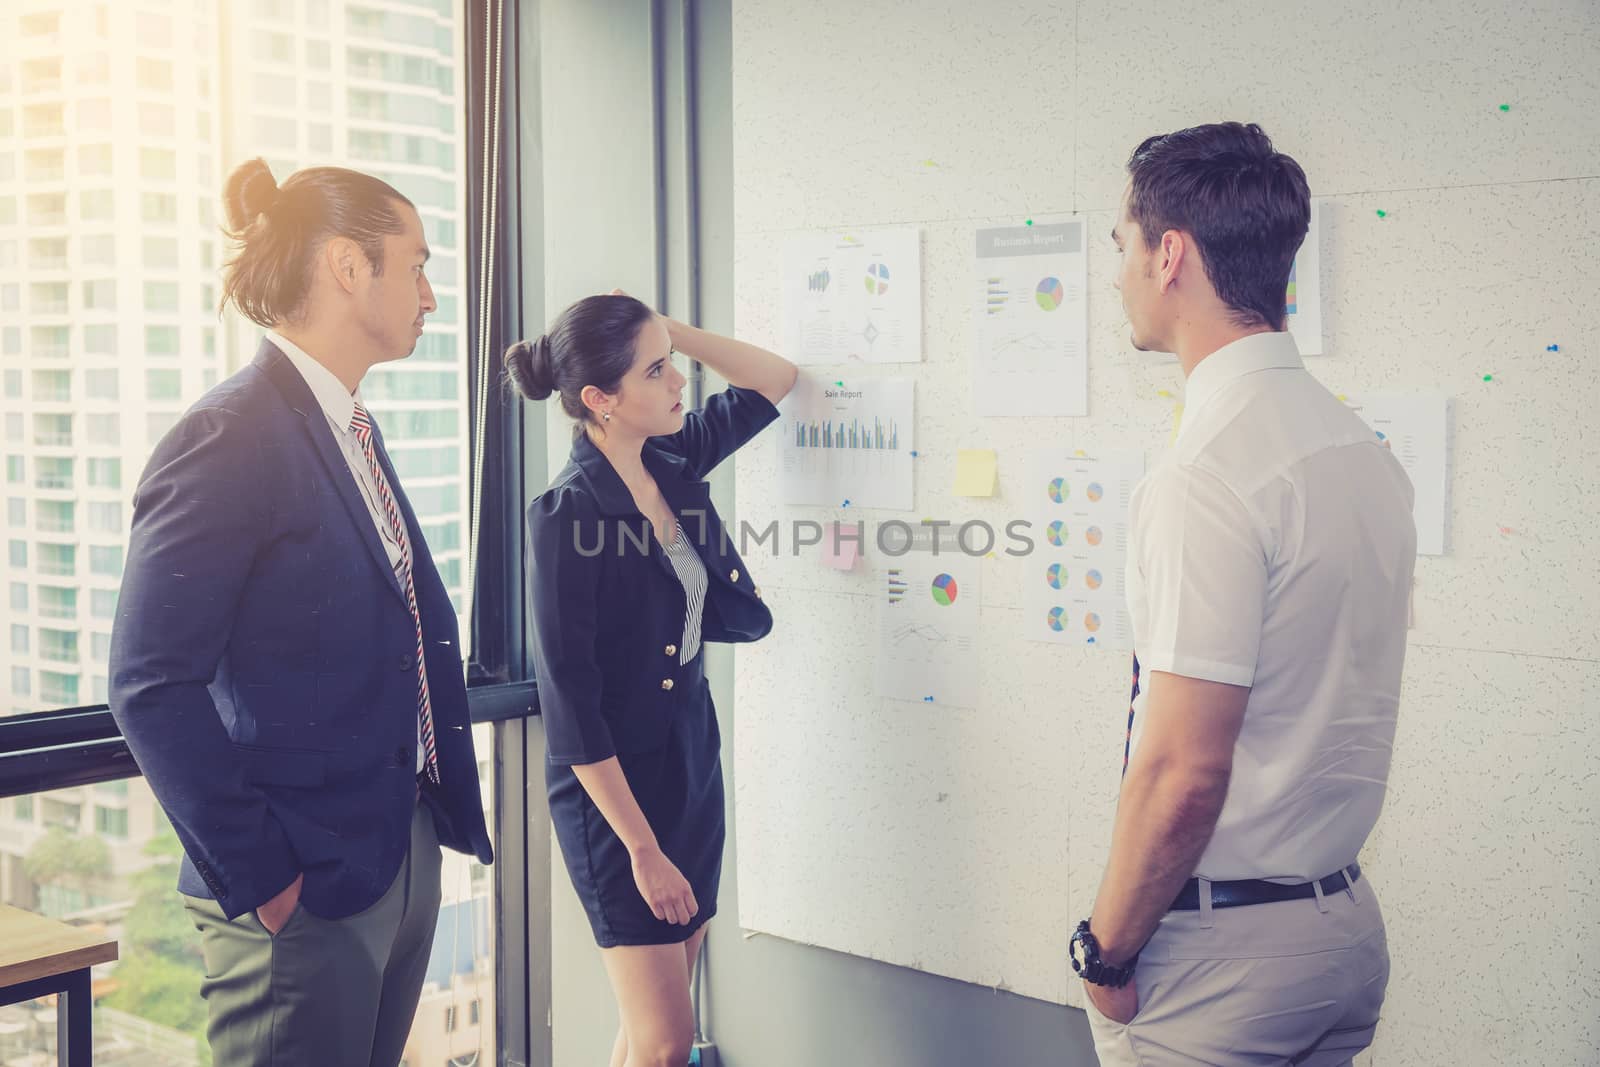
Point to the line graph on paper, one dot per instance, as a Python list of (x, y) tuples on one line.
[(912, 633), (1028, 344), (928, 646)]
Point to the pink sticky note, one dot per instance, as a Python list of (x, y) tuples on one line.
[(841, 546)]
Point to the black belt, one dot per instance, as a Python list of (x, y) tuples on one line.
[(1241, 894)]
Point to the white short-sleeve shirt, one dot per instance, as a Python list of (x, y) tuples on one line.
[(1273, 548)]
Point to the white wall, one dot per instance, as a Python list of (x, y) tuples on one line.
[(1486, 851)]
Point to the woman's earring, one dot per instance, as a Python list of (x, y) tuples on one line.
[(606, 415)]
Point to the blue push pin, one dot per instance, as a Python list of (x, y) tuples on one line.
[(847, 503), (1547, 348), (1091, 640), (1551, 349), (927, 700)]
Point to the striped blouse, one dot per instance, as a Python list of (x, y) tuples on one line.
[(692, 574)]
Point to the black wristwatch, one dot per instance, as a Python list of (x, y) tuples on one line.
[(1085, 955)]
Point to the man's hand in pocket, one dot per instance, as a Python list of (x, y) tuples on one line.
[(275, 912)]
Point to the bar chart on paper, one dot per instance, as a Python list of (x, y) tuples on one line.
[(874, 437), (851, 442)]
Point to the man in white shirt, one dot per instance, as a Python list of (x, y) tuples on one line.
[(1269, 577)]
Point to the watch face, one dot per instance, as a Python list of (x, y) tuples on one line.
[(1075, 953)]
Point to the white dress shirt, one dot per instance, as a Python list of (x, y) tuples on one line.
[(1273, 548), (339, 407)]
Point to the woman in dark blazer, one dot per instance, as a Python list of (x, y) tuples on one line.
[(630, 571)]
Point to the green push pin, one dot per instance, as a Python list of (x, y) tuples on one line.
[(1505, 107), (1028, 222), (1382, 214), (1488, 377)]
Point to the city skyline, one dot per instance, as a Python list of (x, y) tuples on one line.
[(109, 270), (118, 125)]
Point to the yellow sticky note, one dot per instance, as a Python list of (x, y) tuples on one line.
[(975, 472)]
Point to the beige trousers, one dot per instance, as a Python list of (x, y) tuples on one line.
[(1296, 982)]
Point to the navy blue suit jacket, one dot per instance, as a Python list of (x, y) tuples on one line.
[(262, 661), (606, 604)]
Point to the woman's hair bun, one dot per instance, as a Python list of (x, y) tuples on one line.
[(531, 368), (250, 192)]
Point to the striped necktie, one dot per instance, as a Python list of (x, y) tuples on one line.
[(361, 426), (1127, 746)]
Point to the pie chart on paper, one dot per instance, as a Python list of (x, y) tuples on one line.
[(1056, 575), (944, 590), (1050, 294), (877, 278)]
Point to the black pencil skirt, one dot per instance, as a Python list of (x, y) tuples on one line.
[(679, 789)]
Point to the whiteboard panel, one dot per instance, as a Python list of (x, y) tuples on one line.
[(1475, 268)]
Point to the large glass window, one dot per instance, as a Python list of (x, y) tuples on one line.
[(57, 561), (163, 384), (100, 383), (55, 516), (103, 428), (52, 472), (48, 298), (95, 205), (105, 517), (160, 252), (48, 254), (100, 295), (50, 340), (52, 386), (94, 159), (103, 604), (106, 560), (58, 603), (109, 275), (46, 164), (100, 339), (105, 473), (157, 120), (158, 207), (94, 116), (60, 646)]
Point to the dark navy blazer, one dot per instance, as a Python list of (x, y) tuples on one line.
[(607, 607), (263, 659)]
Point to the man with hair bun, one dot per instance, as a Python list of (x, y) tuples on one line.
[(285, 664)]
